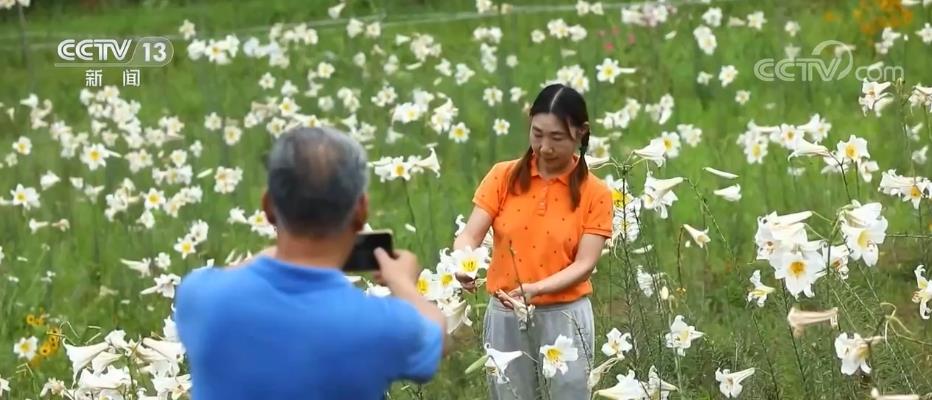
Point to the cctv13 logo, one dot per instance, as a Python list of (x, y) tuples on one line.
[(154, 51)]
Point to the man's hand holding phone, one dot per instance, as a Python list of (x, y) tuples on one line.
[(400, 272)]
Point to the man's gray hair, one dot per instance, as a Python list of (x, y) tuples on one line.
[(315, 179)]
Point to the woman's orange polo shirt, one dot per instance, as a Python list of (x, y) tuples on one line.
[(541, 228)]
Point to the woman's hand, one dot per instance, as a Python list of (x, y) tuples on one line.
[(525, 292), (468, 283)]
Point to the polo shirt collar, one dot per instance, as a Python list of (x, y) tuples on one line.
[(565, 178)]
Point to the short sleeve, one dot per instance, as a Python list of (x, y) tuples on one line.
[(489, 193), (598, 218), (421, 341)]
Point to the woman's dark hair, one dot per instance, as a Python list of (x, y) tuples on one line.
[(569, 107)]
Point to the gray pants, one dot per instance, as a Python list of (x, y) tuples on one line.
[(525, 375)]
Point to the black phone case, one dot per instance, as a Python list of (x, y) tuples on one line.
[(362, 258)]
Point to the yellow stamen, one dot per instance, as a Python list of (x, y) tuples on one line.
[(554, 354), (797, 268), (469, 265), (446, 279), (851, 151), (863, 238)]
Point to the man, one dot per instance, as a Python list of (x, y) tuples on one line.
[(288, 324)]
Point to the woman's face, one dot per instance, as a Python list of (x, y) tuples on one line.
[(552, 143)]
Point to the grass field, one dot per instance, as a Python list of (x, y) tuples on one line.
[(68, 285)]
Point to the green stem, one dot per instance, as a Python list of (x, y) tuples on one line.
[(25, 45), (411, 214), (799, 361)]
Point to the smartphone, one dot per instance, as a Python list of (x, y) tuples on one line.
[(362, 258)]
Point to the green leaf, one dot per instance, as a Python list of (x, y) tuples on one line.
[(477, 364)]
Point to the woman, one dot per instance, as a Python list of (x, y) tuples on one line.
[(550, 218)]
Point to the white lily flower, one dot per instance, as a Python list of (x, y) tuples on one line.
[(723, 174), (799, 319), (924, 294), (174, 387), (114, 379), (657, 388), (730, 382), (875, 395), (469, 261), (609, 69), (596, 162), (456, 311), (627, 388), (807, 149), (164, 285), (854, 149), (498, 361), (681, 335), (103, 360), (863, 242), (81, 356), (799, 270), (655, 151), (161, 350), (775, 232), (428, 285), (853, 352), (648, 282), (53, 386), (595, 376), (862, 216), (760, 291), (377, 290), (837, 258), (558, 355), (731, 193), (658, 194), (25, 348), (700, 237), (141, 266), (430, 163), (117, 339), (617, 344)]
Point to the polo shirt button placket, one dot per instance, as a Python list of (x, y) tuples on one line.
[(542, 205)]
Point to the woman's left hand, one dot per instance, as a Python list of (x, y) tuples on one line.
[(525, 292)]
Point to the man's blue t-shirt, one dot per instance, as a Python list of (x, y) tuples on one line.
[(272, 330)]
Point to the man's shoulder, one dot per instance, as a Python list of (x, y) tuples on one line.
[(205, 283), (200, 278), (196, 279)]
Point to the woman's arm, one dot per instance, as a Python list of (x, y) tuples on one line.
[(476, 228), (590, 249)]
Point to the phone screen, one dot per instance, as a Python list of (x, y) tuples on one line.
[(362, 258)]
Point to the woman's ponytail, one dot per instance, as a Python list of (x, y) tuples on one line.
[(580, 172)]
